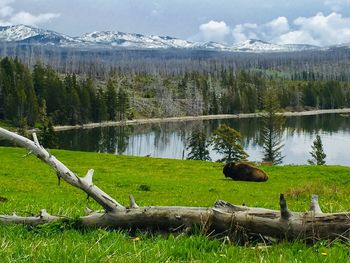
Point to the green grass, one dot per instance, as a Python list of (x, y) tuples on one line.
[(30, 185)]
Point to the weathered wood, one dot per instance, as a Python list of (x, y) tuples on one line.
[(223, 217), (314, 206), (42, 218)]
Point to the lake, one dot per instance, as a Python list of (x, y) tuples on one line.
[(168, 140)]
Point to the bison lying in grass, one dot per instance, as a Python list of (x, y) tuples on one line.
[(244, 172)]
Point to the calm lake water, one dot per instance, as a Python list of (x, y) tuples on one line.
[(168, 140)]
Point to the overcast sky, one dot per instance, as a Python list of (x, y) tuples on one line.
[(317, 22)]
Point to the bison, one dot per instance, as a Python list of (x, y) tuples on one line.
[(244, 172)]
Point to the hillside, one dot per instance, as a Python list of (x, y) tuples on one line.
[(31, 186), (30, 97)]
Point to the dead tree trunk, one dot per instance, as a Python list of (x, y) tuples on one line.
[(222, 218)]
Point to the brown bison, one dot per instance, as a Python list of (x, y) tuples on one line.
[(244, 172)]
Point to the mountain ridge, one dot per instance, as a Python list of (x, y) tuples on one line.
[(121, 40)]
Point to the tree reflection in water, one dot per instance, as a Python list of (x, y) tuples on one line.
[(169, 139)]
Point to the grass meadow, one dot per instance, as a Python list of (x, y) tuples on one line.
[(28, 185)]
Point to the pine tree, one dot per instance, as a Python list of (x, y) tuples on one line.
[(73, 104), (23, 127), (317, 153), (271, 133), (226, 141), (198, 144), (56, 98), (39, 81), (48, 137), (122, 104), (111, 101), (100, 112)]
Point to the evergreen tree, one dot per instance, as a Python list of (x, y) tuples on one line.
[(7, 83), (317, 153), (39, 82), (56, 98), (226, 141), (122, 104), (73, 104), (271, 133), (198, 144), (111, 101), (48, 137), (85, 101), (27, 104), (100, 113), (23, 127)]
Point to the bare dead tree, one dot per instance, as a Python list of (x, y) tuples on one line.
[(222, 218)]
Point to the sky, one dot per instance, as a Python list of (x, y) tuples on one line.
[(315, 22)]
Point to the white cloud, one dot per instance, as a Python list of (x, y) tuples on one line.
[(239, 33), (278, 26), (6, 11), (214, 31), (265, 31), (316, 30), (297, 37), (30, 19), (8, 16), (326, 30)]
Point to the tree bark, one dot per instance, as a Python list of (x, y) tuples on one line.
[(223, 218)]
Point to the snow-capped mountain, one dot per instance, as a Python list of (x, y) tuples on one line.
[(212, 46), (28, 34), (120, 39), (109, 39), (254, 45), (257, 46)]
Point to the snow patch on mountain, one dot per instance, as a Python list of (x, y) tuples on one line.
[(120, 39), (18, 33), (110, 39), (254, 45), (257, 46), (23, 33)]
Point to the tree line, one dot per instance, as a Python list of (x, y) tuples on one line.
[(30, 96), (330, 64)]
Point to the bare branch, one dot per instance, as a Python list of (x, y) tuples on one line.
[(88, 177), (88, 211), (42, 218), (132, 202), (35, 138), (285, 214)]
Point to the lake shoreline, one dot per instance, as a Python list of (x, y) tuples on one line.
[(194, 118)]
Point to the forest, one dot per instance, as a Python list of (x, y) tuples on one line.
[(31, 95)]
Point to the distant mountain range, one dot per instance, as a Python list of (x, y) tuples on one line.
[(119, 40)]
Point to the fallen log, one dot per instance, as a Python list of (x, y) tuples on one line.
[(223, 218)]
